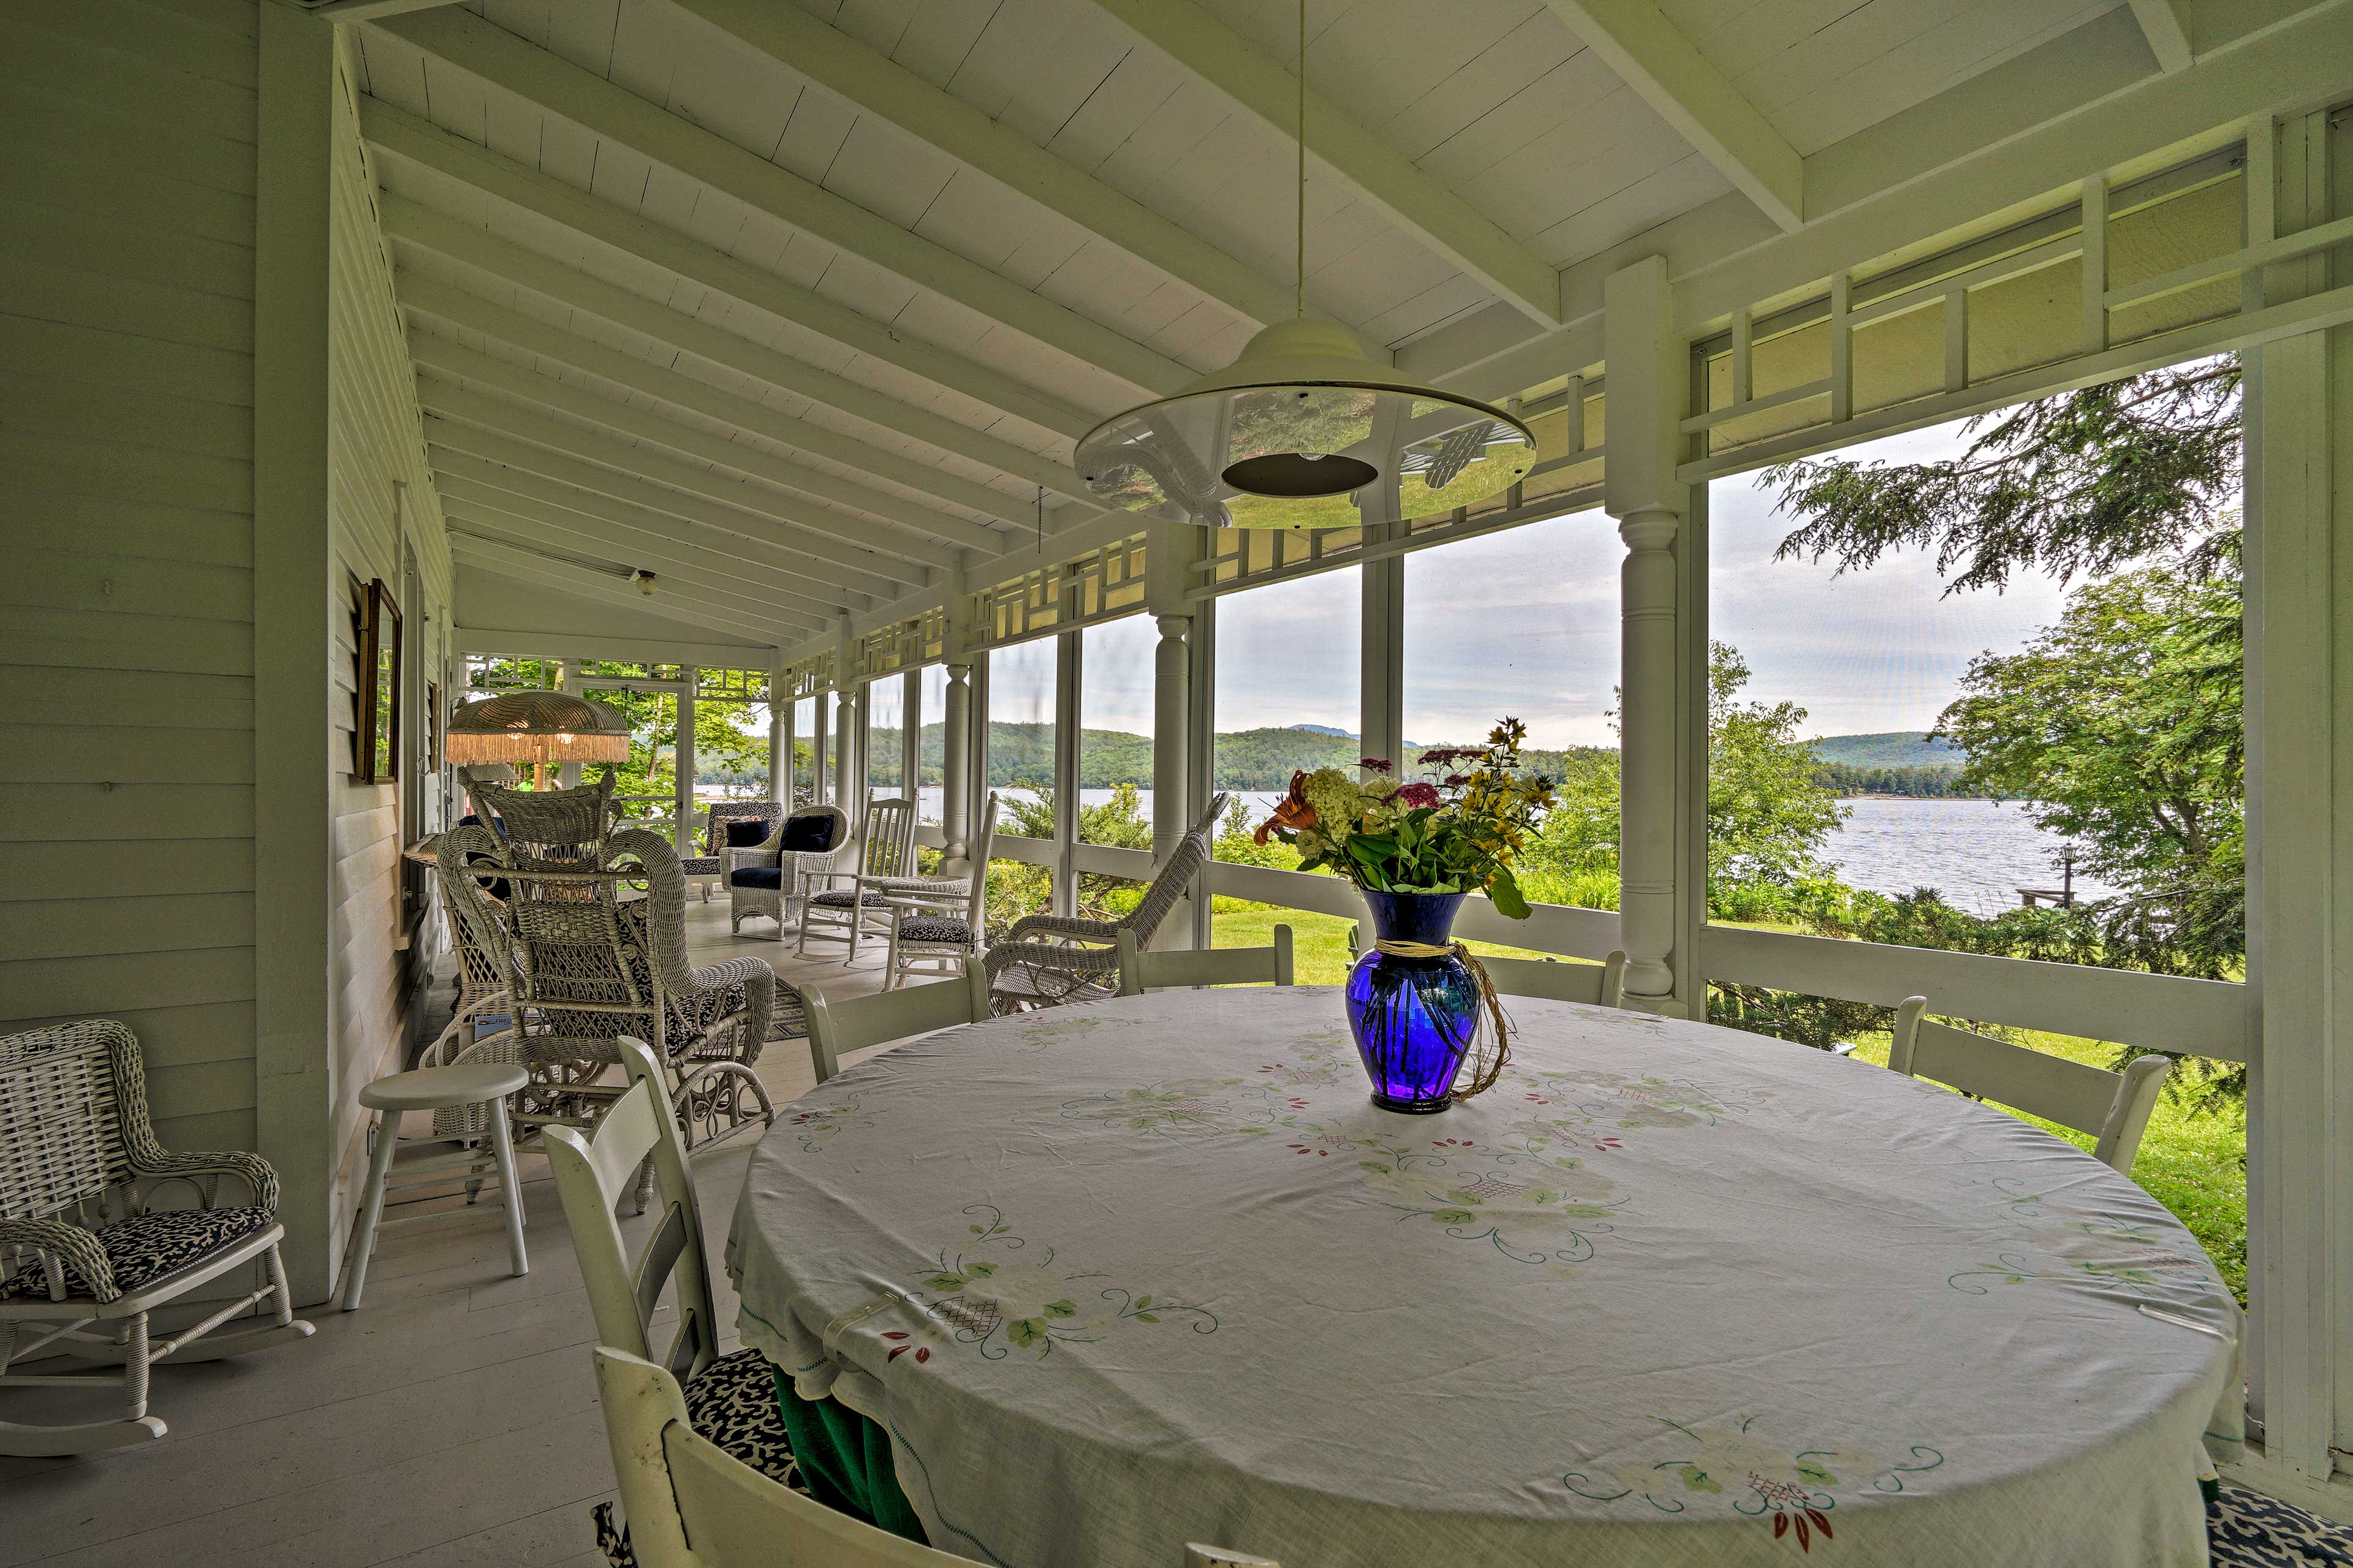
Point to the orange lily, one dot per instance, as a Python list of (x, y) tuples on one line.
[(1292, 811)]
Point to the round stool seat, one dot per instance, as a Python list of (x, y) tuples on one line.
[(436, 1089)]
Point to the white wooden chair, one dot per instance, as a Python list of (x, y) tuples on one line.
[(729, 1400), (2115, 1106), (855, 905), (80, 1245), (1140, 971), (936, 922), (692, 1505), (838, 1029), (1598, 985)]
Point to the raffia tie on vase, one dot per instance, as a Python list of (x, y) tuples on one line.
[(1486, 1064)]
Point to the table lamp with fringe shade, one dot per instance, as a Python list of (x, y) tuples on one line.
[(545, 729)]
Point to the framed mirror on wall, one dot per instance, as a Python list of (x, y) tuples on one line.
[(376, 693)]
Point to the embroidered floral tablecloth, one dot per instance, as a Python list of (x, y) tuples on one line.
[(1154, 1270)]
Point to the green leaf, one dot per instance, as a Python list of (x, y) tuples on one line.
[(1024, 1331), (976, 1230), (1505, 893), (1698, 1481), (948, 1282), (1451, 1216), (980, 1270), (1462, 1197), (1148, 1317), (1817, 1472), (1060, 1310), (1143, 1300)]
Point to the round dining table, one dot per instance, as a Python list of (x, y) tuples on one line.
[(1119, 1277)]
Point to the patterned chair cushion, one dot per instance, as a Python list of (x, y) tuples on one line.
[(839, 900), (733, 1403), (147, 1248), (700, 865), (935, 928), (757, 877), (2247, 1530)]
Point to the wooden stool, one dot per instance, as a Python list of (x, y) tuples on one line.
[(436, 1089)]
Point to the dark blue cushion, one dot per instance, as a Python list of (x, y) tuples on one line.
[(757, 877), (810, 835), (744, 832)]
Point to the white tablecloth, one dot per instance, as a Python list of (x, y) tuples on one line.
[(1119, 1277)]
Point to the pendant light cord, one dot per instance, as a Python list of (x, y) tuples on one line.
[(1300, 248)]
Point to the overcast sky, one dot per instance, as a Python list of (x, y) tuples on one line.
[(1525, 622)]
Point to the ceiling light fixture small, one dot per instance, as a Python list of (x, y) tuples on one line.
[(1305, 430), (645, 581)]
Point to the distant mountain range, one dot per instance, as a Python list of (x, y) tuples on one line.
[(1263, 759), (1889, 749)]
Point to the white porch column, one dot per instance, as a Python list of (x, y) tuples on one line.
[(846, 738), (956, 762), (817, 748), (1067, 653), (682, 766), (1380, 694), (1172, 712), (780, 737), (2299, 635), (911, 735), (1646, 397)]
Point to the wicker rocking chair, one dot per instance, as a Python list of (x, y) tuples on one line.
[(78, 1245), (1045, 960), (591, 966)]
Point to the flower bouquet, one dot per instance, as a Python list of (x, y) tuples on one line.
[(1416, 849)]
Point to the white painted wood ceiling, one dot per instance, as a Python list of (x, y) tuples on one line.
[(1498, 104)]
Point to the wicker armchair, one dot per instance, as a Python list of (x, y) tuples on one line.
[(711, 865), (1047, 960), (591, 966), (79, 1246), (548, 828), (768, 879)]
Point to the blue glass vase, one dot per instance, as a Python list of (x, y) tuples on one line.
[(1414, 1018)]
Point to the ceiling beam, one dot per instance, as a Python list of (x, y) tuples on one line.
[(506, 434), (2078, 105), (1651, 57), (365, 10), (605, 109), (847, 69), (454, 480), (426, 296), (2166, 25), (509, 562), (411, 140), (412, 225), (729, 594), (787, 571), (1413, 200), (923, 542)]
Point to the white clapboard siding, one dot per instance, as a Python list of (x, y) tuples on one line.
[(126, 639), (382, 502)]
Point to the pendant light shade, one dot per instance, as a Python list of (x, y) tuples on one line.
[(1305, 430), (549, 728)]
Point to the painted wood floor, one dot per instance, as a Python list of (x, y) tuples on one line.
[(451, 1422)]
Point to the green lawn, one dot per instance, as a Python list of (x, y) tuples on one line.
[(2196, 1166)]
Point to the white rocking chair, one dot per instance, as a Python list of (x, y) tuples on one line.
[(76, 1142)]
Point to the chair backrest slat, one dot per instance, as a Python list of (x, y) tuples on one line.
[(890, 849), (1140, 971), (1600, 984), (61, 1141), (854, 1023), (2115, 1106), (591, 1173)]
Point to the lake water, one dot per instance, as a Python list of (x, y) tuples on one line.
[(1977, 853)]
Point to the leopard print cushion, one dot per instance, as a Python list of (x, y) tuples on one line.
[(934, 928), (2247, 1530), (733, 1403), (147, 1248), (839, 900)]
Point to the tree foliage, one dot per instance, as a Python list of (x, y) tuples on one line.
[(2085, 483)]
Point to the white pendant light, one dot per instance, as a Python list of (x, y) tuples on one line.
[(1305, 430)]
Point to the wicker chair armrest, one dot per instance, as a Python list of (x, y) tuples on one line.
[(1070, 926), (743, 860), (251, 1169), (712, 982), (68, 1243), (1081, 960)]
